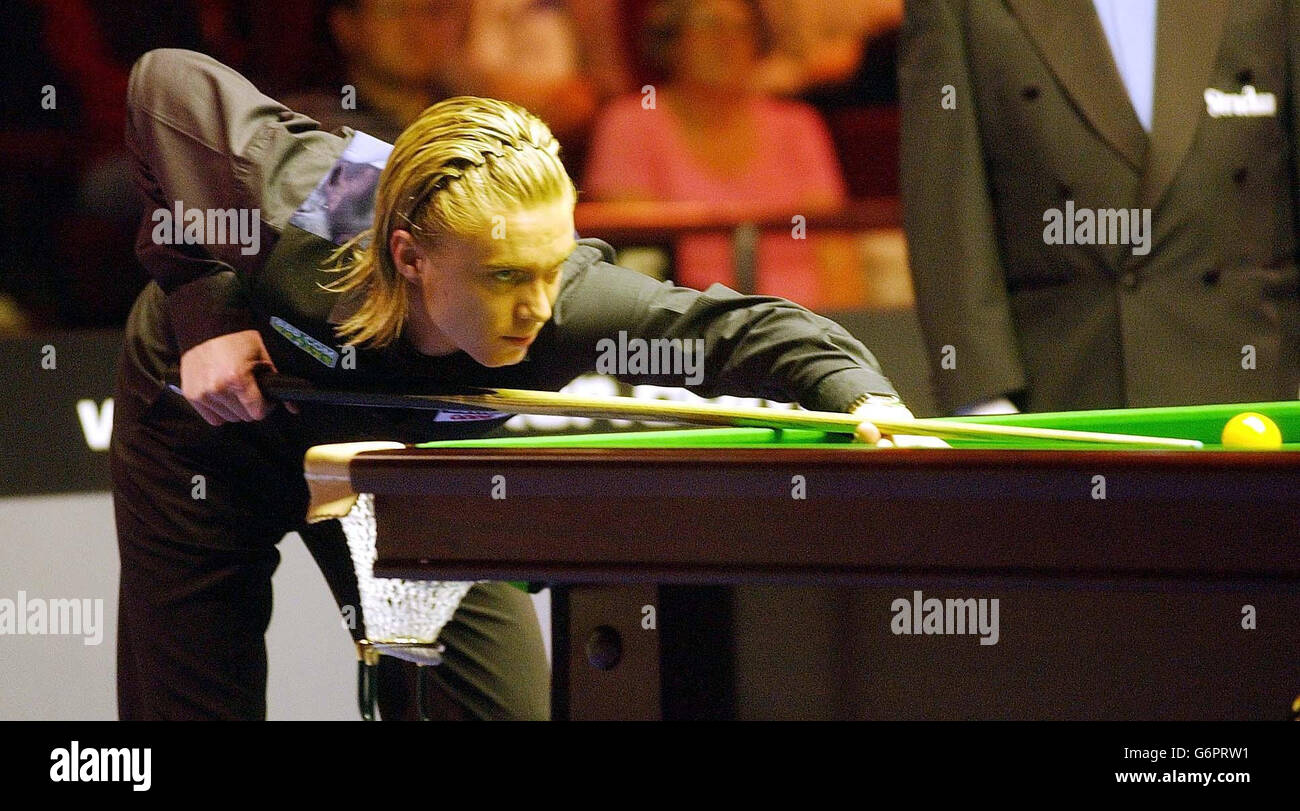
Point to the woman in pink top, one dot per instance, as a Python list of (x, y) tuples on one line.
[(708, 136)]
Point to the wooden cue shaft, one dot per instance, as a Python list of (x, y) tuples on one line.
[(523, 401), (559, 404)]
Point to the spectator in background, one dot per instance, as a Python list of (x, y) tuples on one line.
[(81, 202), (94, 43), (708, 134), (601, 29), (404, 55), (395, 52), (33, 163), (525, 51), (822, 43)]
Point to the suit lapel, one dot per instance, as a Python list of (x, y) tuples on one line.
[(1069, 39), (1187, 44)]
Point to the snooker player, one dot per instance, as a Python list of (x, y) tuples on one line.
[(449, 258)]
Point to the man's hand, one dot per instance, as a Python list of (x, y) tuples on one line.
[(868, 432), (217, 378)]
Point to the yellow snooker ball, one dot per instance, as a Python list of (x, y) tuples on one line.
[(1251, 430)]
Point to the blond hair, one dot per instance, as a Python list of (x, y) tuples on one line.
[(461, 162)]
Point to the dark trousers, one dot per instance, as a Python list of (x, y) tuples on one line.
[(199, 512)]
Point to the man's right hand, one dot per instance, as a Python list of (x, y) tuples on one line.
[(217, 378)]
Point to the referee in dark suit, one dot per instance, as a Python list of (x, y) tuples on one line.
[(1185, 111)]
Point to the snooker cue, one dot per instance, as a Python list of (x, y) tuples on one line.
[(522, 401)]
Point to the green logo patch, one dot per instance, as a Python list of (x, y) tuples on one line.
[(305, 342)]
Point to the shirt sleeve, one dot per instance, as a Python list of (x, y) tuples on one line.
[(203, 138), (749, 346)]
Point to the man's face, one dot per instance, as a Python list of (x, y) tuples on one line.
[(401, 41), (488, 294)]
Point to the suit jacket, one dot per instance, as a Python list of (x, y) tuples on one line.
[(1041, 117)]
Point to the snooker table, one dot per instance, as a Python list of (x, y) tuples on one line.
[(607, 518)]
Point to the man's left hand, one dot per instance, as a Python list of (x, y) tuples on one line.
[(868, 432)]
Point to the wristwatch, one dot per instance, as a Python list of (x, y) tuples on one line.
[(876, 399)]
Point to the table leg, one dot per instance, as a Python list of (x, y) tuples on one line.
[(605, 653)]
